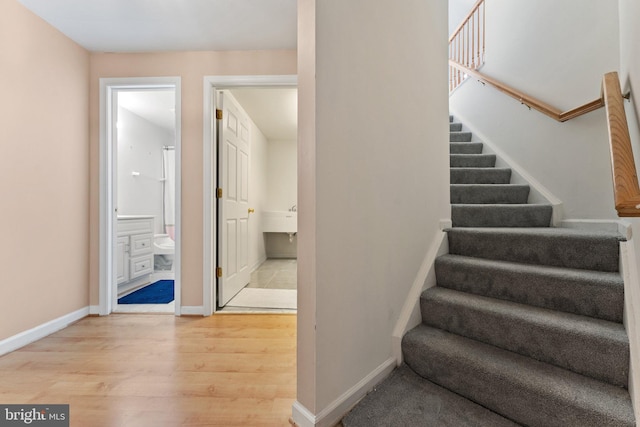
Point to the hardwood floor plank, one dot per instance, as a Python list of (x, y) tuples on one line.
[(159, 370)]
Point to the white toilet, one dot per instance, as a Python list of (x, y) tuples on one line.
[(165, 247)]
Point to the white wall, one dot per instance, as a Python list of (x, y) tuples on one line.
[(140, 145), (258, 194), (458, 10), (630, 79), (546, 50), (373, 184), (282, 193), (282, 175)]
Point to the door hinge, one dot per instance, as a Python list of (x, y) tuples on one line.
[(218, 114), (219, 272), (219, 193)]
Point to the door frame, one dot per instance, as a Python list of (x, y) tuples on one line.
[(108, 201), (210, 169)]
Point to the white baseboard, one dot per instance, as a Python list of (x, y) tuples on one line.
[(27, 337), (426, 278), (631, 319), (333, 413), (192, 310), (302, 416), (255, 266), (94, 310)]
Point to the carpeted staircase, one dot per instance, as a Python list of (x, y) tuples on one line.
[(524, 326)]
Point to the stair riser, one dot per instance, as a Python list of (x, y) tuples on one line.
[(489, 194), (528, 392), (472, 160), (588, 253), (465, 148), (561, 340), (501, 215), (594, 294), (455, 127), (480, 176), (460, 136)]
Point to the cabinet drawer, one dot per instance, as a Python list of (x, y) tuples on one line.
[(141, 244), (140, 266), (135, 226)]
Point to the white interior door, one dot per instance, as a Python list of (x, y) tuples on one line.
[(233, 206)]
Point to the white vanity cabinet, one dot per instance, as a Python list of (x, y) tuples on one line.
[(134, 248)]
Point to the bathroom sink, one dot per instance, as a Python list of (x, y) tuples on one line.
[(279, 222)]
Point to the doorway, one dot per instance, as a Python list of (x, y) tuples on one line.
[(140, 196), (243, 91)]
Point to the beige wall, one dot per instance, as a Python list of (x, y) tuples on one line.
[(191, 67), (43, 172), (373, 184)]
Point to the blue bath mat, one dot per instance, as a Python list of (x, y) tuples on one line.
[(160, 292)]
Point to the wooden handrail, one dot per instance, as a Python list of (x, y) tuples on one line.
[(528, 100), (466, 56), (625, 177), (623, 167)]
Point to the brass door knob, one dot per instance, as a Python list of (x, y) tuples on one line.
[(251, 210)]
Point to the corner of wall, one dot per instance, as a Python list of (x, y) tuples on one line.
[(333, 413), (410, 316)]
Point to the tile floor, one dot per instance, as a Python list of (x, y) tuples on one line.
[(275, 274)]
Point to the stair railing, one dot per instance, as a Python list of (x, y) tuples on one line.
[(467, 44), (625, 176), (623, 167), (530, 101)]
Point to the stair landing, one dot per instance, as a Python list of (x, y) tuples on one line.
[(406, 399)]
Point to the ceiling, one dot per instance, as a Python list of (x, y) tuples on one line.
[(273, 110), (185, 25), (172, 25), (156, 106)]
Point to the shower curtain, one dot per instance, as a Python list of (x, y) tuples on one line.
[(169, 170)]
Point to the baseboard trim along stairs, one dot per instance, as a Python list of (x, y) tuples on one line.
[(524, 326)]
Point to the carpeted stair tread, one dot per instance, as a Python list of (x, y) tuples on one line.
[(465, 148), (455, 127), (590, 293), (406, 399), (559, 247), (450, 118), (460, 136), (524, 390), (480, 175), (593, 347), (472, 160), (501, 215), (489, 193)]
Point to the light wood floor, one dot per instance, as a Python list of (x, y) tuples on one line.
[(159, 370)]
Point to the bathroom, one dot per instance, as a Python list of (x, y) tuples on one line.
[(146, 165), (272, 113), (146, 162)]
